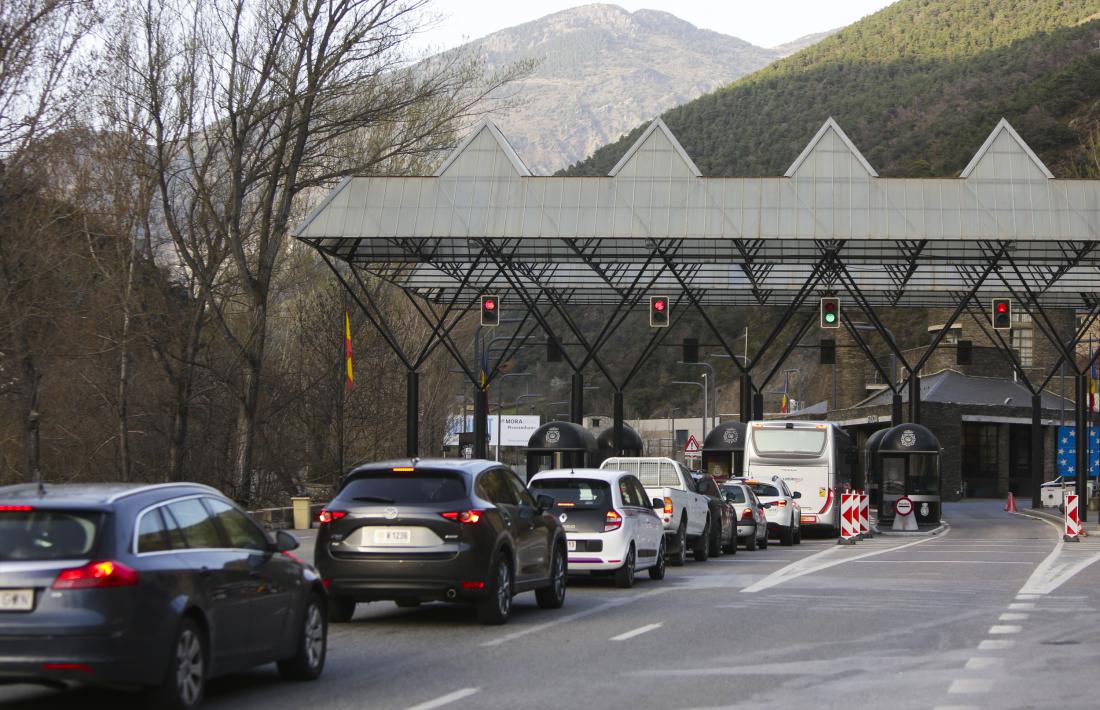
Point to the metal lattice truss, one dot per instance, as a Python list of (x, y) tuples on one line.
[(829, 225)]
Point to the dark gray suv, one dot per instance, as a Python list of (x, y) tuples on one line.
[(417, 530), (158, 587)]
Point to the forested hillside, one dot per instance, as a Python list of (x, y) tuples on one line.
[(917, 86)]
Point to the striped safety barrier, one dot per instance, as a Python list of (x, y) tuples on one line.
[(1073, 520), (849, 519), (864, 515)]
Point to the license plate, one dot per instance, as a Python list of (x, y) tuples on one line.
[(16, 599), (571, 545), (393, 536)]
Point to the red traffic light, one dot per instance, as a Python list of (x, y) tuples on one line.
[(489, 304), (658, 311), (660, 304), (1002, 307)]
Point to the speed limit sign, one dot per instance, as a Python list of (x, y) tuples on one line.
[(903, 506)]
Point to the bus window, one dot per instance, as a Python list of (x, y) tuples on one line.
[(779, 442)]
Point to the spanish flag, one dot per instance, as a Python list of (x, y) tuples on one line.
[(1093, 376), (347, 351), (784, 404)]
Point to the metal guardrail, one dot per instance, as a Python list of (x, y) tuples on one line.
[(283, 518)]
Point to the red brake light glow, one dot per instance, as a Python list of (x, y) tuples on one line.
[(404, 469), (473, 585), (781, 503), (614, 521), (668, 506), (16, 508), (97, 575), (83, 668), (746, 514), (464, 516), (328, 516)]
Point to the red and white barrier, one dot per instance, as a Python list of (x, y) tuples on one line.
[(1073, 520), (849, 519), (864, 514)]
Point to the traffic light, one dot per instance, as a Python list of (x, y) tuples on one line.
[(691, 349), (827, 353), (830, 312), (658, 311), (1002, 314), (490, 310)]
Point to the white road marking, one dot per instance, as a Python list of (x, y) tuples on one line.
[(807, 566), (1006, 629), (979, 663), (1010, 616), (955, 562), (446, 699), (970, 685), (1022, 605), (636, 632), (956, 707), (996, 644), (573, 617), (1027, 596)]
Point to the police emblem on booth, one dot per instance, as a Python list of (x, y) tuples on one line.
[(730, 436), (908, 439), (553, 435)]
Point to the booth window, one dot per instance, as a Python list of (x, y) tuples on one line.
[(893, 475), (923, 478)]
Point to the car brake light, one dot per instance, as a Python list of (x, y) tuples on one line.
[(746, 514), (404, 469), (614, 521), (464, 516), (16, 508), (82, 667), (97, 575), (781, 503), (328, 516), (668, 506), (473, 585)]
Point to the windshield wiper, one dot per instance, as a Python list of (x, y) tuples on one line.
[(373, 499)]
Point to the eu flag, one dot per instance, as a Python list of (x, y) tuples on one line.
[(1066, 459)]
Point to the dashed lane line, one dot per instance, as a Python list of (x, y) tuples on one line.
[(447, 699), (978, 663), (636, 632), (970, 685), (1004, 629), (1012, 616), (996, 644)]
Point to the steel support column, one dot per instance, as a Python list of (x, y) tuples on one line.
[(412, 414), (481, 424), (617, 431), (576, 399), (895, 409), (746, 398), (914, 398), (758, 406), (1036, 450), (1080, 407)]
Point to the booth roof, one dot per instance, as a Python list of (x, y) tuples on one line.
[(726, 437), (908, 438), (562, 436), (631, 439)]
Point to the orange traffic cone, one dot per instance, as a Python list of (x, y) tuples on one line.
[(1010, 504)]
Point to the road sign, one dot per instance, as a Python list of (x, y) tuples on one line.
[(903, 506), (692, 445)]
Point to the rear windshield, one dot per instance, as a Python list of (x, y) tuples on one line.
[(48, 534), (408, 488), (778, 442), (764, 489), (574, 492), (735, 494)]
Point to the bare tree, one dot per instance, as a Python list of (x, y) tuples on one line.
[(252, 104)]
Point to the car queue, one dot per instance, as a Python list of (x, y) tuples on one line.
[(160, 588)]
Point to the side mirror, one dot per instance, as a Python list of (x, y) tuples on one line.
[(796, 494), (765, 505), (545, 503), (658, 503), (285, 542)]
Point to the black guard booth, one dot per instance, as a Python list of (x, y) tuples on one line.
[(906, 461), (872, 475), (561, 445), (605, 442), (724, 451)]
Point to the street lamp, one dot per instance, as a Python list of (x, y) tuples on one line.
[(714, 383), (702, 386)]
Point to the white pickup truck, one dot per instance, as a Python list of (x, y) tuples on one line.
[(685, 512)]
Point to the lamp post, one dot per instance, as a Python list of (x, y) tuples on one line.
[(714, 384), (702, 386)]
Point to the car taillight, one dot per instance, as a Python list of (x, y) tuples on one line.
[(668, 506), (327, 516), (464, 516), (614, 521), (16, 508), (746, 514), (97, 575), (781, 504)]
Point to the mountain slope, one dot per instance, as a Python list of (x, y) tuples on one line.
[(917, 86), (603, 70)]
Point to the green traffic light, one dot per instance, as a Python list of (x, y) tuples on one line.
[(830, 318)]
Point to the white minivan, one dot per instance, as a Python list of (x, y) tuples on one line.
[(610, 524)]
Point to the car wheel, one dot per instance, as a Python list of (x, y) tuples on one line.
[(309, 655), (552, 596), (624, 576), (716, 541), (340, 609), (786, 536), (679, 555), (750, 544), (702, 544), (497, 607), (185, 680), (731, 547), (657, 571), (798, 535), (764, 540)]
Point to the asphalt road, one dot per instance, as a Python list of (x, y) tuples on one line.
[(993, 612)]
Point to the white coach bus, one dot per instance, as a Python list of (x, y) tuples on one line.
[(817, 459)]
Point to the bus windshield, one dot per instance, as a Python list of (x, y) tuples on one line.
[(778, 442)]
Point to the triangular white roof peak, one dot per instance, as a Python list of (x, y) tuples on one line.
[(658, 131), (490, 129), (1006, 141), (830, 126)]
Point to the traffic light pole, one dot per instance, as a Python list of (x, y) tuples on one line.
[(576, 400), (914, 398), (412, 414)]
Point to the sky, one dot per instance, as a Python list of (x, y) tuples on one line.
[(765, 23)]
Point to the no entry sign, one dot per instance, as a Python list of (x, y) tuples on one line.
[(903, 506)]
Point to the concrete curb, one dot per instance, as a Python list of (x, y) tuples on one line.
[(1058, 518), (920, 533)]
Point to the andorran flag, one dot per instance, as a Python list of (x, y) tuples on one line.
[(347, 351)]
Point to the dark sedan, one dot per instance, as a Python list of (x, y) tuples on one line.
[(439, 530), (158, 587)]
